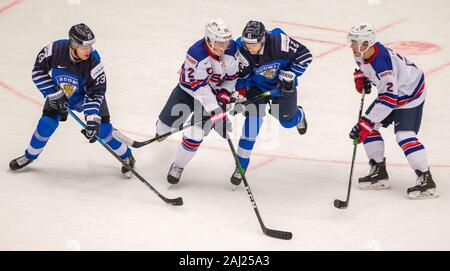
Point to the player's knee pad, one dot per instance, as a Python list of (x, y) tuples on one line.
[(252, 125), (47, 125), (292, 122), (105, 131)]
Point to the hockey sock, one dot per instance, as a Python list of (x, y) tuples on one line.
[(374, 146), (250, 131), (45, 128), (121, 149), (413, 149), (186, 151), (192, 138)]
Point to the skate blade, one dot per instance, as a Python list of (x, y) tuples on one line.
[(380, 185), (234, 187), (429, 194)]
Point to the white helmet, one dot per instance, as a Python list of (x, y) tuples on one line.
[(361, 33), (217, 30)]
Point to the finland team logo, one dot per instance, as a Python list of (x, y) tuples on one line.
[(68, 84), (268, 71)]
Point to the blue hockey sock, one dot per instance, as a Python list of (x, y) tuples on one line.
[(121, 149), (45, 128), (250, 131)]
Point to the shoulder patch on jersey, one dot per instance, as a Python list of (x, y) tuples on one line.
[(97, 70), (285, 40), (385, 73), (191, 60), (46, 53)]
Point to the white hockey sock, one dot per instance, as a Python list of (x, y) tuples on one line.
[(374, 147), (413, 149), (192, 138)]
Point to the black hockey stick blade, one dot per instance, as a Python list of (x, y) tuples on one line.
[(175, 202), (138, 144), (285, 235), (340, 204)]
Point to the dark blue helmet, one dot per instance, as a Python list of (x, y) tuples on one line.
[(254, 32), (81, 34)]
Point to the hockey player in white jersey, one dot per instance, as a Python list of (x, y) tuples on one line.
[(206, 85), (401, 96)]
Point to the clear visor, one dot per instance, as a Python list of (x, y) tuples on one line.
[(358, 42), (252, 44), (84, 48), (86, 45), (224, 45)]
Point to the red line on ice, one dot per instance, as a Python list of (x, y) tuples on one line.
[(20, 94), (319, 41), (438, 68), (340, 45), (311, 26), (10, 5), (273, 157), (337, 48), (263, 163), (270, 156)]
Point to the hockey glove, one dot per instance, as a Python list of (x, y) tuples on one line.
[(92, 127), (361, 82), (225, 97), (362, 129), (64, 116), (58, 101), (239, 106), (286, 81)]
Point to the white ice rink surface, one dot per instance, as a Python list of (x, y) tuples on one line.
[(74, 196)]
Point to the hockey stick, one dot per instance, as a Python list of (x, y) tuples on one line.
[(344, 204), (285, 235), (137, 144), (176, 201)]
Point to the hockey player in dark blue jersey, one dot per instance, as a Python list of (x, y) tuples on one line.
[(270, 61), (69, 72)]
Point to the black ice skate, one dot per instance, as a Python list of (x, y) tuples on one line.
[(425, 187), (302, 126), (377, 178), (174, 175), (19, 162), (130, 161), (236, 178)]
